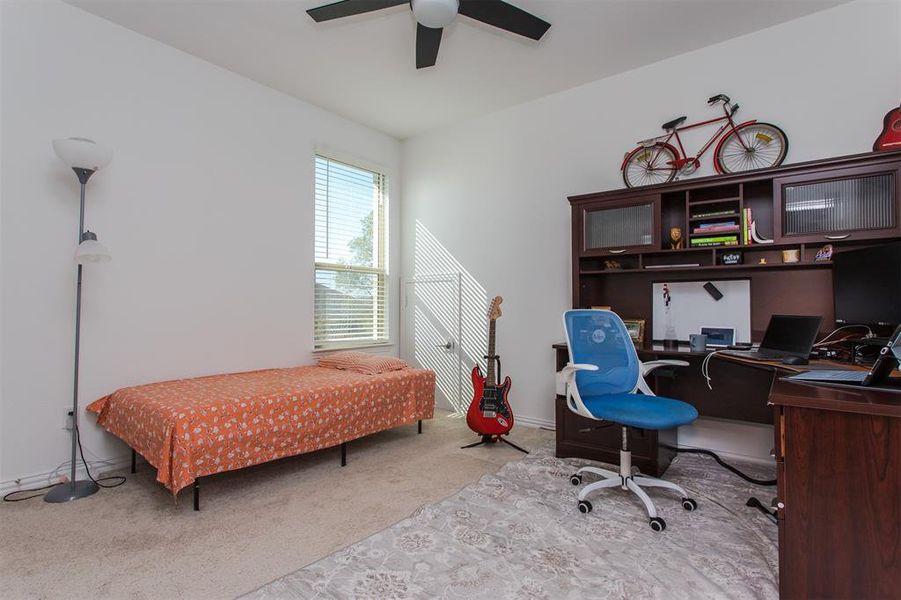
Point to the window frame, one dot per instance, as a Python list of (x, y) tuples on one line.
[(381, 257)]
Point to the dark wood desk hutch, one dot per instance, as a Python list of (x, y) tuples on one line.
[(848, 202)]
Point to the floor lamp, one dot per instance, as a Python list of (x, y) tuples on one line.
[(84, 157)]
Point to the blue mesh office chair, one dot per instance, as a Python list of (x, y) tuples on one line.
[(605, 382)]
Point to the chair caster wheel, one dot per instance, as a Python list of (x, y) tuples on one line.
[(584, 507), (576, 479), (689, 504), (658, 524)]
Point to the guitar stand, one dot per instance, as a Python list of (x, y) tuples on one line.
[(493, 439), (488, 438)]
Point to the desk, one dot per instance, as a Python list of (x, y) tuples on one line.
[(739, 394), (740, 389), (838, 456)]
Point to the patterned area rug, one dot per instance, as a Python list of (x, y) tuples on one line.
[(518, 534)]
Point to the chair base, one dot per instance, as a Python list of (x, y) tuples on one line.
[(626, 480)]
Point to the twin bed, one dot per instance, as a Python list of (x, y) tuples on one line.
[(192, 428)]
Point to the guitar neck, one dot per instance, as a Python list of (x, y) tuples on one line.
[(491, 379)]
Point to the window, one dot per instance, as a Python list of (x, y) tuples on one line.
[(351, 256)]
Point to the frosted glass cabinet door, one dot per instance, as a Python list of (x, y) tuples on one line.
[(856, 207), (618, 229)]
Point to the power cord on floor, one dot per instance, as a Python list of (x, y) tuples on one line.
[(120, 479), (9, 497), (722, 463)]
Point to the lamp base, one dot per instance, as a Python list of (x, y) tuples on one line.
[(66, 492)]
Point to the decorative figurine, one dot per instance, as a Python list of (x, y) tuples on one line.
[(762, 261), (612, 264), (824, 254), (676, 242)]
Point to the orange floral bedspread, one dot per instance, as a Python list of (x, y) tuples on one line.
[(189, 428)]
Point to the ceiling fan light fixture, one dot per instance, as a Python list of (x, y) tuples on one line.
[(435, 13)]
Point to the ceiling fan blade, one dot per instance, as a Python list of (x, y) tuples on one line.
[(346, 8), (505, 16), (427, 42)]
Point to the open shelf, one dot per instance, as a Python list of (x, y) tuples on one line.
[(798, 265), (734, 215), (713, 201)]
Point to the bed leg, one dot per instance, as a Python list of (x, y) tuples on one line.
[(134, 461), (419, 426), (344, 454), (197, 494)]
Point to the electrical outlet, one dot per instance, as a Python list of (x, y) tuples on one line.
[(67, 422)]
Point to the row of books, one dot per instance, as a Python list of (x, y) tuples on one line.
[(723, 233), (715, 233), (746, 226), (714, 240)]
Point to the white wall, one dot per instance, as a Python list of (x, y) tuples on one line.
[(493, 190), (207, 209)]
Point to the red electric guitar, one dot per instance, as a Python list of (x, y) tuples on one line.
[(490, 414), (890, 138)]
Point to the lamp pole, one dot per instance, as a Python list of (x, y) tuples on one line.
[(80, 152)]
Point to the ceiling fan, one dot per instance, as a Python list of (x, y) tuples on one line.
[(433, 15)]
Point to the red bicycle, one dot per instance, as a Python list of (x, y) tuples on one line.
[(749, 145)]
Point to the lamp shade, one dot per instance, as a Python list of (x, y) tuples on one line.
[(91, 251), (82, 153), (435, 13)]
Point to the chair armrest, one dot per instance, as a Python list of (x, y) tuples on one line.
[(656, 364), (573, 398), (569, 371)]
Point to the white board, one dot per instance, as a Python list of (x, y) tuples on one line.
[(691, 308)]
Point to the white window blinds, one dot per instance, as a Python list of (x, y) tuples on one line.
[(351, 256)]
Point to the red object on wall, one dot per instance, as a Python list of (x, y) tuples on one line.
[(890, 138)]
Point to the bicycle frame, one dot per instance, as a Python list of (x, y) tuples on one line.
[(681, 161)]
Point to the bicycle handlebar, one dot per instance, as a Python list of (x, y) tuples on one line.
[(717, 98)]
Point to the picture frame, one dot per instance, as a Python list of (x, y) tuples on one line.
[(636, 329)]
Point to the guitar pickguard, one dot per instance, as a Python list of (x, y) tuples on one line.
[(492, 403)]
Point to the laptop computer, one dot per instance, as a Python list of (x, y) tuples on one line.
[(878, 374), (786, 335)]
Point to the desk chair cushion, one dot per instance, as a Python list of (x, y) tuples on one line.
[(638, 410)]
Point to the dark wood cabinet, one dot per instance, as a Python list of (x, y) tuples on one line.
[(621, 238), (838, 205), (614, 228), (838, 453)]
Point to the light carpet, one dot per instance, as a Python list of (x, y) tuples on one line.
[(255, 524), (518, 534)]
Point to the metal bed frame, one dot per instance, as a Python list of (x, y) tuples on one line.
[(196, 486)]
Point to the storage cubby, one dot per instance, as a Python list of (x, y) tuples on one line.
[(599, 264), (672, 215), (758, 196), (665, 261), (713, 194)]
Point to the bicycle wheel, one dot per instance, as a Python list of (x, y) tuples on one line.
[(649, 165), (752, 146)]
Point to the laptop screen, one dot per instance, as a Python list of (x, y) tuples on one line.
[(792, 335)]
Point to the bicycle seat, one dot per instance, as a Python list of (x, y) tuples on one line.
[(674, 123)]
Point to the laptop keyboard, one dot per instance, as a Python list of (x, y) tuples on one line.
[(855, 376)]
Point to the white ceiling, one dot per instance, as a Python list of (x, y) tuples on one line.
[(362, 67)]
